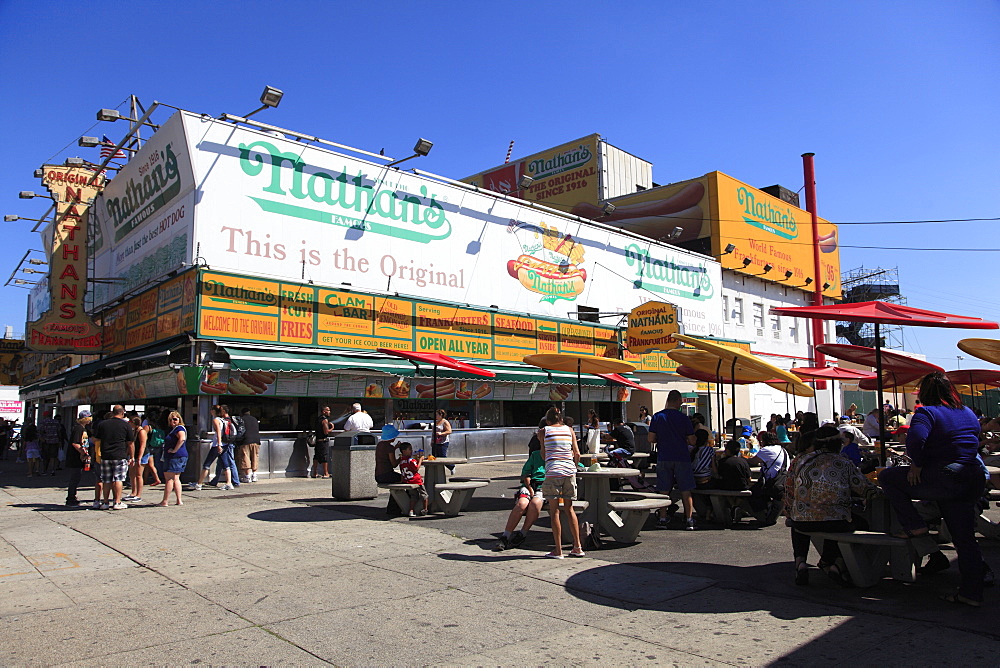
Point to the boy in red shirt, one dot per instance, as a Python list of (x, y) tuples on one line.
[(409, 468)]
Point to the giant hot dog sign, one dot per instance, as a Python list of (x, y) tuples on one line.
[(287, 211)]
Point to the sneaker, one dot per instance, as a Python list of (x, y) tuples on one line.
[(421, 512), (501, 545), (129, 497), (192, 487), (663, 522), (936, 563), (253, 477), (691, 524), (97, 505), (225, 487), (119, 506), (244, 478), (134, 499), (72, 502), (413, 513), (516, 539), (105, 505)]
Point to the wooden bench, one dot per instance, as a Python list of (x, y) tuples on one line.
[(867, 553), (454, 496), (400, 493), (633, 516), (723, 500)]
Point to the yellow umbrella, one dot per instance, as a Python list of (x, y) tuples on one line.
[(799, 389), (706, 362), (742, 358), (735, 359), (984, 349), (580, 364)]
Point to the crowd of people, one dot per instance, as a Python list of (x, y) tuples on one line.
[(122, 448)]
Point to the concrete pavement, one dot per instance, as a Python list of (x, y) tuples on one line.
[(277, 573)]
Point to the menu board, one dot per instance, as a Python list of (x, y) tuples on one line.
[(292, 385)]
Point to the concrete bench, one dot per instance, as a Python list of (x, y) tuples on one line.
[(400, 493), (465, 479), (578, 507), (455, 496), (723, 500), (641, 495), (633, 516), (867, 553)]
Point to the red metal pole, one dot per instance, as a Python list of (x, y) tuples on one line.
[(819, 359)]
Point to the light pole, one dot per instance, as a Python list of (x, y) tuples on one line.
[(959, 358)]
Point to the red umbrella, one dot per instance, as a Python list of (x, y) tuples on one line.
[(619, 379), (883, 313), (436, 360), (892, 362), (830, 373), (973, 377)]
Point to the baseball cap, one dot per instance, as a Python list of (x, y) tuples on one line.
[(389, 432), (747, 431), (356, 407), (84, 414)]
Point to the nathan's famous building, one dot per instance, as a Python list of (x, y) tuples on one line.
[(229, 262)]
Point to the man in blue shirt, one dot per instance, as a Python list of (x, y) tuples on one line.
[(673, 434)]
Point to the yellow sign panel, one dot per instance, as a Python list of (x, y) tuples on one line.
[(651, 326), (297, 313), (771, 231), (154, 315), (564, 176), (247, 309)]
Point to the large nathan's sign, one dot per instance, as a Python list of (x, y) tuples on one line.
[(65, 326), (283, 210), (145, 216)]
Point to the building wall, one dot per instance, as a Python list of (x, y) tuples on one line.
[(780, 340)]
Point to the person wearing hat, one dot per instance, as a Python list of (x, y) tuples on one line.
[(76, 455), (386, 462)]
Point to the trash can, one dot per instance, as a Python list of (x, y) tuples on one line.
[(352, 465), (734, 426)]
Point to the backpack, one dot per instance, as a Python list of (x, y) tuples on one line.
[(235, 431), (154, 442)]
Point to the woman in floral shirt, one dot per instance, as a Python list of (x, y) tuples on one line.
[(818, 492)]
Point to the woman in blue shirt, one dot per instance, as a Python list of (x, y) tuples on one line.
[(175, 458), (942, 444)]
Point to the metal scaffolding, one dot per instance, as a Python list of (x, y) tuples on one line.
[(864, 285)]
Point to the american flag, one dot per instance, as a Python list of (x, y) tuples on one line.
[(108, 148)]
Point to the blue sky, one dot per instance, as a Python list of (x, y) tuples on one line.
[(898, 101)]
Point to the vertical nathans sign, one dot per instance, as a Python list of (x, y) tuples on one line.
[(66, 327)]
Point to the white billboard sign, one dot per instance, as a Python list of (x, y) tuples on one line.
[(145, 216), (272, 207)]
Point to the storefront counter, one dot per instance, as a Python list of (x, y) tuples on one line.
[(285, 454)]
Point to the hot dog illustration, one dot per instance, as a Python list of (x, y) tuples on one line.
[(656, 219), (237, 386), (214, 388), (445, 390), (560, 392), (828, 242), (538, 275), (399, 390), (482, 391)]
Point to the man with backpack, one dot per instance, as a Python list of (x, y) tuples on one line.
[(221, 449)]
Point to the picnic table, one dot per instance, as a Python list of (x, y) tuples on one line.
[(435, 474), (596, 489)]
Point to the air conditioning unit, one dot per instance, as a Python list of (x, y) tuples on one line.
[(760, 333), (776, 334)]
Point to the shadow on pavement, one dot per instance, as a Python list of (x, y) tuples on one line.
[(296, 514)]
